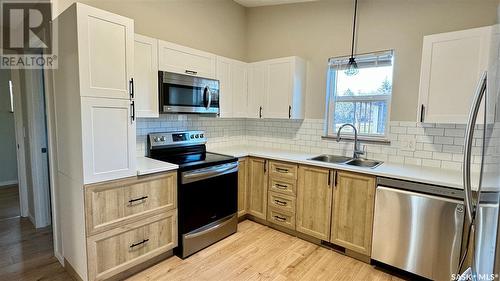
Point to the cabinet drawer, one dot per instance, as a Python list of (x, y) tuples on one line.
[(281, 202), (124, 247), (112, 204), (283, 170), (279, 217), (282, 186)]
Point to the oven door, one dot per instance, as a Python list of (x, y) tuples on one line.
[(207, 195), (185, 94)]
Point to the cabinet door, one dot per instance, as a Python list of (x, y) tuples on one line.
[(106, 53), (314, 202), (352, 219), (108, 140), (257, 89), (146, 76), (224, 75), (242, 187), (184, 60), (452, 64), (239, 75), (278, 103), (257, 187)]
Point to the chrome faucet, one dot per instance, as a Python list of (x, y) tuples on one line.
[(357, 151)]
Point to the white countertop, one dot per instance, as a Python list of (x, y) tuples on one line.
[(147, 166), (428, 175)]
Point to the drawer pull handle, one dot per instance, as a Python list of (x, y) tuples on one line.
[(278, 218), (279, 202), (138, 243), (131, 201), (281, 186), (281, 170), (191, 72)]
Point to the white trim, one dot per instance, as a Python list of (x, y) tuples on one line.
[(37, 137), (8, 183), (52, 154), (20, 142)]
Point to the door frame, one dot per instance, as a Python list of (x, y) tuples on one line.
[(53, 168), (20, 133)]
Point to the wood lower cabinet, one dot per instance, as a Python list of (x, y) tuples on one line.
[(257, 187), (114, 251), (129, 222), (352, 214), (314, 202), (242, 187), (107, 205)]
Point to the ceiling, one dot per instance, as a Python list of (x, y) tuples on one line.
[(257, 3)]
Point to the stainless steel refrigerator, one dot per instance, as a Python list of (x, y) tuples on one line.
[(482, 188)]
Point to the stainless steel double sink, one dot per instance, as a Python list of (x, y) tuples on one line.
[(337, 159)]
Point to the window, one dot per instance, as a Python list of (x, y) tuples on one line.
[(363, 99)]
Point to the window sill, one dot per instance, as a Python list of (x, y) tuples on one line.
[(365, 139)]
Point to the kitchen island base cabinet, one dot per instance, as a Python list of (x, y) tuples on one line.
[(257, 187), (352, 214), (314, 202)]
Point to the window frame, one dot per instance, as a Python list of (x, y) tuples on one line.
[(331, 98)]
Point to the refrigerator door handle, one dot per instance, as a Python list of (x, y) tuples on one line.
[(469, 138)]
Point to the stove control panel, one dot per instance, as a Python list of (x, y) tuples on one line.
[(177, 138)]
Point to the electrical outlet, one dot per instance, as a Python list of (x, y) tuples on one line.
[(411, 144)]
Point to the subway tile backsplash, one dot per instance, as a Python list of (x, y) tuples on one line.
[(435, 145)]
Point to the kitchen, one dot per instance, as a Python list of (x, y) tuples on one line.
[(234, 140)]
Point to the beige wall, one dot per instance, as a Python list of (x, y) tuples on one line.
[(315, 31), (319, 30), (216, 26)]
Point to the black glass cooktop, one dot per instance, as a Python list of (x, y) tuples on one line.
[(190, 157)]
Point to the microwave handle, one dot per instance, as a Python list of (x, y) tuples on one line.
[(207, 91)]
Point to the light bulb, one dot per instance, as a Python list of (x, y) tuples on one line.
[(352, 67)]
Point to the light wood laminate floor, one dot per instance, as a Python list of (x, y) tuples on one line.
[(257, 252), (9, 202), (27, 253)]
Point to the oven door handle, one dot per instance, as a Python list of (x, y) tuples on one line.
[(206, 173)]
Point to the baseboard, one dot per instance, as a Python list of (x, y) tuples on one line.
[(71, 270), (5, 184)]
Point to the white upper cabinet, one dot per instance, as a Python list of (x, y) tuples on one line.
[(184, 60), (146, 76), (108, 140), (452, 64), (278, 86), (106, 56), (257, 89), (232, 75)]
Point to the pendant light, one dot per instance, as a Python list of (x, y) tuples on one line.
[(352, 66)]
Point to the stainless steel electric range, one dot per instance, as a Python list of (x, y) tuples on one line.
[(207, 188)]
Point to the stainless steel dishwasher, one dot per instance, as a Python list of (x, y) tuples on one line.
[(418, 228)]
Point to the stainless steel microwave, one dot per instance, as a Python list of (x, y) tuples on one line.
[(179, 93)]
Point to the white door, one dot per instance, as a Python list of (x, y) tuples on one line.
[(278, 103), (146, 76), (108, 139), (184, 60), (452, 64), (257, 89), (106, 53), (226, 91), (239, 72)]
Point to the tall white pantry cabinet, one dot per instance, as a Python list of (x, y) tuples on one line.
[(94, 109)]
